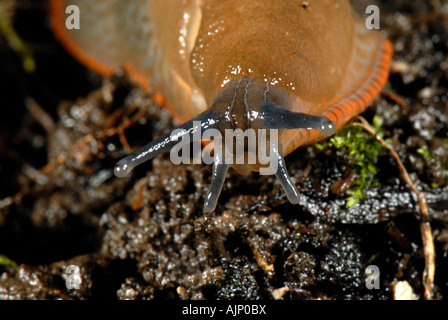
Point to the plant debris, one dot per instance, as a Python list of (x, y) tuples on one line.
[(70, 230)]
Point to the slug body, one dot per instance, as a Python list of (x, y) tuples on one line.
[(236, 64)]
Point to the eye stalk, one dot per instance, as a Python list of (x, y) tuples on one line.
[(277, 117), (165, 143), (327, 127)]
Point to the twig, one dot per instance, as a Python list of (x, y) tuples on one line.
[(395, 98), (425, 226), (40, 115), (70, 153)]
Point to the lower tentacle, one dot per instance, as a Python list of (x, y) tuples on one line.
[(218, 177)]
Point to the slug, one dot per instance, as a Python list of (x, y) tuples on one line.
[(300, 72)]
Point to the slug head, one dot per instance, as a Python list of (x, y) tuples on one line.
[(244, 123)]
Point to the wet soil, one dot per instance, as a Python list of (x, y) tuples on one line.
[(145, 237)]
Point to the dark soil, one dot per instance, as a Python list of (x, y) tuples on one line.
[(145, 237)]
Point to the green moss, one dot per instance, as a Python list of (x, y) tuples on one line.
[(5, 261), (12, 38), (431, 158), (361, 151), (372, 258)]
